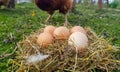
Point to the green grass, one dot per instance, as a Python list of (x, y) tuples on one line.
[(19, 22)]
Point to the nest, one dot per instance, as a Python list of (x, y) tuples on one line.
[(99, 56)]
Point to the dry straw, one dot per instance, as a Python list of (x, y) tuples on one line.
[(59, 57)]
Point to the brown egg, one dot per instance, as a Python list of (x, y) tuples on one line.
[(45, 39), (50, 29), (77, 29), (61, 33)]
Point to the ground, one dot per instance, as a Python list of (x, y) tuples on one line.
[(17, 23)]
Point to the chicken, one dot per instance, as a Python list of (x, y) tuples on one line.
[(4, 2), (7, 3), (64, 6)]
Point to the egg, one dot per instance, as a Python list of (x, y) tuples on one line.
[(50, 29), (77, 29), (45, 39), (78, 40), (61, 33)]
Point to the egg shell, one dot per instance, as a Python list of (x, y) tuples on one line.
[(79, 40), (45, 39), (77, 29), (50, 29), (61, 33)]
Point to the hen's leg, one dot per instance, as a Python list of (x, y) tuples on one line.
[(50, 15), (48, 18), (66, 20)]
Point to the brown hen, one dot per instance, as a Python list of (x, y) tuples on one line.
[(64, 6)]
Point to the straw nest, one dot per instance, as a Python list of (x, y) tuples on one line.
[(99, 56)]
